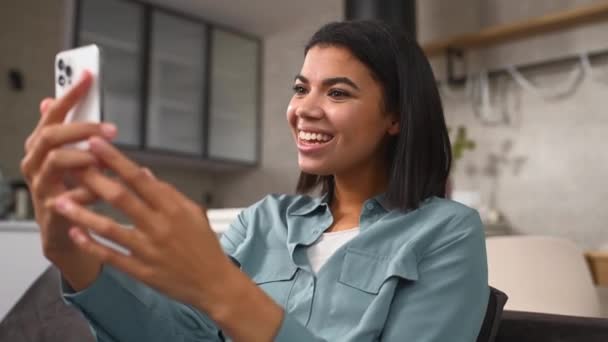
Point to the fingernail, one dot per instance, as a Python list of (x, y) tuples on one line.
[(44, 105), (95, 144), (86, 74), (77, 236), (149, 173), (109, 130), (64, 205)]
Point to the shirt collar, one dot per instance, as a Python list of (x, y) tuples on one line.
[(311, 206), (384, 204), (323, 201)]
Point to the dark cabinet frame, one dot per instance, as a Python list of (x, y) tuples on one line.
[(204, 160)]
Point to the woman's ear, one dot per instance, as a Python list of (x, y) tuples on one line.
[(393, 128)]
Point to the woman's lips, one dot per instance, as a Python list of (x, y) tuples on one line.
[(309, 147)]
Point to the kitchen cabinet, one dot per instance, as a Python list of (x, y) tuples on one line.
[(179, 88)]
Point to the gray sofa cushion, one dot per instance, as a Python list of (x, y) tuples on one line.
[(519, 326), (42, 316)]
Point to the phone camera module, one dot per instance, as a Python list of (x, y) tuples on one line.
[(68, 71), (60, 64), (61, 80)]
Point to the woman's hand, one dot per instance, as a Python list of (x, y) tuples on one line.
[(172, 248), (45, 166)]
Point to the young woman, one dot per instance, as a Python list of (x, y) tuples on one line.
[(379, 255)]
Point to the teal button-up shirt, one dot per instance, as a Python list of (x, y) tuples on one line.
[(417, 276)]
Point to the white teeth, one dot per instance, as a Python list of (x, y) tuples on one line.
[(314, 136)]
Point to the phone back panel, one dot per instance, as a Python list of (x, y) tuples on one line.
[(69, 67)]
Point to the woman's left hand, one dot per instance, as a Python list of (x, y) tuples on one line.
[(172, 247)]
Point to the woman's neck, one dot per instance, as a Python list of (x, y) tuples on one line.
[(351, 191)]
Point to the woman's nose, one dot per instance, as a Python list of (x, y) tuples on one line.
[(309, 109)]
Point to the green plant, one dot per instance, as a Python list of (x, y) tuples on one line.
[(461, 142)]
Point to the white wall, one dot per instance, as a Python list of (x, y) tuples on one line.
[(550, 177)]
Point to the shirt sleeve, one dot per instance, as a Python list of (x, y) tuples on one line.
[(449, 300), (236, 235), (119, 309)]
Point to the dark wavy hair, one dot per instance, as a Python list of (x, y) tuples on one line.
[(419, 157)]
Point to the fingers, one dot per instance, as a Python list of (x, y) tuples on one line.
[(51, 137), (106, 254), (57, 162), (80, 195), (45, 104), (53, 112), (101, 225), (61, 134), (59, 108), (119, 196), (132, 174)]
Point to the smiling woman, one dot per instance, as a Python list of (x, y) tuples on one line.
[(378, 255)]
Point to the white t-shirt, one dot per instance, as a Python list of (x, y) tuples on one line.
[(326, 245)]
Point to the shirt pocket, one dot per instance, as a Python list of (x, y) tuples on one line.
[(275, 274), (365, 288), (369, 272), (367, 284)]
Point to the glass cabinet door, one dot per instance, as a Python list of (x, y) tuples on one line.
[(176, 84), (116, 26), (233, 98)]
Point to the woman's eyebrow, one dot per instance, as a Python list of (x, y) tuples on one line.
[(300, 78), (330, 81), (335, 80)]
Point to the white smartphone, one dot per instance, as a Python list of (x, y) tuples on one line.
[(69, 67)]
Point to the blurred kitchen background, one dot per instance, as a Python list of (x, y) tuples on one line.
[(199, 89)]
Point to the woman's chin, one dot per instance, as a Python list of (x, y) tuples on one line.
[(314, 167)]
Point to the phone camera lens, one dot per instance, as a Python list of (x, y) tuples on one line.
[(68, 71), (60, 64), (61, 80)]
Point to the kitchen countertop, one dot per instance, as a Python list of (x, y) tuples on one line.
[(220, 220), (18, 226)]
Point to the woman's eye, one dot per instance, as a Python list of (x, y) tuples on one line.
[(338, 93), (299, 90)]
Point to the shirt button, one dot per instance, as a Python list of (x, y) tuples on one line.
[(369, 206), (316, 231)]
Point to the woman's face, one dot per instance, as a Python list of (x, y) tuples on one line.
[(336, 114)]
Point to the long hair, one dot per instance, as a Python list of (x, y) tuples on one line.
[(419, 157)]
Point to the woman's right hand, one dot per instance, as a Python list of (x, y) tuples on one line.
[(46, 165)]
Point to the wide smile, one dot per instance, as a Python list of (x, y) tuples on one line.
[(313, 142)]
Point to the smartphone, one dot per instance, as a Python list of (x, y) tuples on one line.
[(69, 67)]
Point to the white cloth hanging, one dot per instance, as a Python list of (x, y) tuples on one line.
[(575, 78)]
